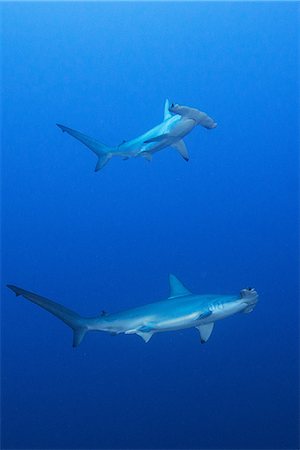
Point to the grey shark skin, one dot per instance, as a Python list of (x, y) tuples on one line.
[(178, 122), (180, 310)]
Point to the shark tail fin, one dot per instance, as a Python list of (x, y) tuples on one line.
[(69, 317), (101, 150), (102, 160)]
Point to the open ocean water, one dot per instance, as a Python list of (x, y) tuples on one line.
[(226, 220)]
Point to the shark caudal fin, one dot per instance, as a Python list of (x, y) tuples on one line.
[(72, 319), (102, 151)]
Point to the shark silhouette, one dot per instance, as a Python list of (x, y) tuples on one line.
[(178, 122), (180, 310)]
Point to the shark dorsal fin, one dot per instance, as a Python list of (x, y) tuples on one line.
[(167, 113), (177, 289)]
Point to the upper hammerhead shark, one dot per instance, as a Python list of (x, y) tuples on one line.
[(178, 122), (180, 310)]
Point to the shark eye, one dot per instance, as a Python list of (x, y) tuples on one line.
[(249, 289)]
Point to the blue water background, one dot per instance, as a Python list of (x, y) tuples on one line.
[(223, 221)]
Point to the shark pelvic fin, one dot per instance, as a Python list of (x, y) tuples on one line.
[(167, 113), (146, 335), (177, 289), (181, 148), (159, 138), (144, 332), (146, 155), (205, 331)]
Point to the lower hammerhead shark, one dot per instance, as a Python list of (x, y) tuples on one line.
[(178, 122), (180, 310)]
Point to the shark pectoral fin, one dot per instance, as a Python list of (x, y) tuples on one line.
[(159, 138), (205, 331), (181, 148)]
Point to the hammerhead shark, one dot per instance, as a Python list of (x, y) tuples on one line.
[(180, 310), (178, 122)]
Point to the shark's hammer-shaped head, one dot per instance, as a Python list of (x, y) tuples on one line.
[(250, 297), (201, 118)]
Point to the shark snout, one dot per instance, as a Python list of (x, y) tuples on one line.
[(200, 117), (250, 297), (174, 108)]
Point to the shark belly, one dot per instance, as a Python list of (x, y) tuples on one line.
[(176, 323), (150, 321), (167, 133), (173, 133), (137, 145)]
